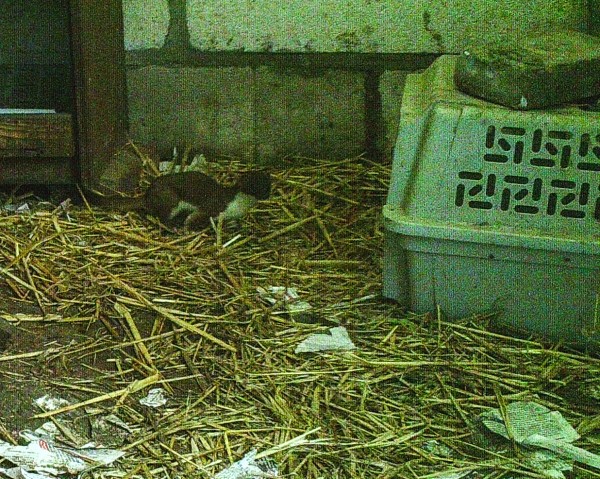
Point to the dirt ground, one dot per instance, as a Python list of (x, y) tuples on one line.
[(96, 303)]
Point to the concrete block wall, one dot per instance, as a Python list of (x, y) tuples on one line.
[(322, 78)]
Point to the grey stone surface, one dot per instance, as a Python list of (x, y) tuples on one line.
[(370, 26), (146, 23), (535, 71)]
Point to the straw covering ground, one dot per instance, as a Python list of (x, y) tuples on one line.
[(106, 306)]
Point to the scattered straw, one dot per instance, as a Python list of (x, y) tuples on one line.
[(121, 394), (107, 305)]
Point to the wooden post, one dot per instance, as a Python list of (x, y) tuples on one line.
[(100, 85)]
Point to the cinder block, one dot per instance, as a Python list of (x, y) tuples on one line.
[(369, 26), (207, 108), (263, 114), (315, 116), (146, 23)]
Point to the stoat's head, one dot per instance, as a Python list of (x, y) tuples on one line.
[(255, 183)]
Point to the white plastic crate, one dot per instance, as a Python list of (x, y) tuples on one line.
[(495, 209)]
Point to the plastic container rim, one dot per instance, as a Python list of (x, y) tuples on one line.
[(397, 222)]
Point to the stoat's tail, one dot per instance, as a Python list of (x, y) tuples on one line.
[(117, 202)]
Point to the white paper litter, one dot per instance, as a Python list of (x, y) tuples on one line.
[(65, 207), (168, 167), (24, 208), (288, 297), (198, 163), (109, 431), (48, 430), (534, 425), (117, 421), (18, 209), (250, 468), (527, 419), (20, 473), (156, 398), (50, 403), (436, 447), (548, 462), (564, 449), (338, 339), (450, 475), (45, 457)]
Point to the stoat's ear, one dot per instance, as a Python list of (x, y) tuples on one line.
[(256, 183)]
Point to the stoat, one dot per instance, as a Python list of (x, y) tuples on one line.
[(191, 198)]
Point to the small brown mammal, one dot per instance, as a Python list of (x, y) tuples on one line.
[(191, 198)]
